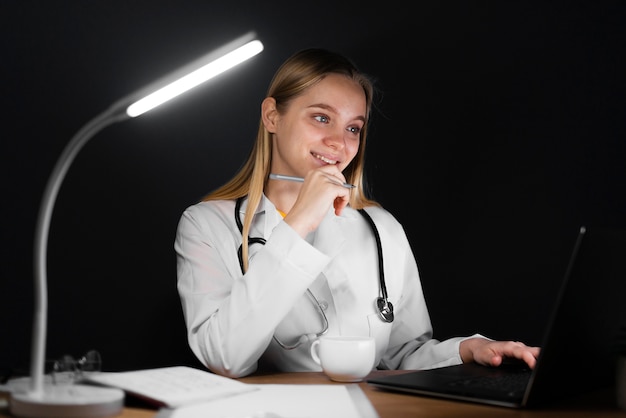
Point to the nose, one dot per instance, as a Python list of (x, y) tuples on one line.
[(336, 139)]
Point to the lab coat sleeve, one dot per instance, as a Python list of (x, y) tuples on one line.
[(411, 342), (231, 317)]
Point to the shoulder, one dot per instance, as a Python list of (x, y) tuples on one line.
[(382, 216), (212, 207), (387, 225), (208, 212)]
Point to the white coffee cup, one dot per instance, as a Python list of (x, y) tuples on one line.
[(345, 358)]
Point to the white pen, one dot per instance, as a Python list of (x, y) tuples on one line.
[(300, 180)]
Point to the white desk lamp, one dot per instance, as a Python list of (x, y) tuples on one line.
[(43, 399)]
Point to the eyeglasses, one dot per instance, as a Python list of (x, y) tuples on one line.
[(67, 370)]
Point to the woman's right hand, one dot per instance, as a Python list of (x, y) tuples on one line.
[(322, 188)]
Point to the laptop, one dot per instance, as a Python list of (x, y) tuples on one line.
[(577, 350)]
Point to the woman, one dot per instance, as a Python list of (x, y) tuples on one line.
[(310, 264)]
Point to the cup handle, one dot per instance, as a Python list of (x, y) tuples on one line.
[(316, 357)]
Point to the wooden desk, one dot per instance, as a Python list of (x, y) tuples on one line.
[(396, 405)]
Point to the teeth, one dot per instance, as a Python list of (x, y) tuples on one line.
[(326, 160)]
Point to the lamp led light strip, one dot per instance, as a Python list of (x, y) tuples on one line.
[(43, 399), (195, 78)]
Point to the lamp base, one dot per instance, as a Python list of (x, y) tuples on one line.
[(68, 401)]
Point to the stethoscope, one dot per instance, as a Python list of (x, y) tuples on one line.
[(383, 306)]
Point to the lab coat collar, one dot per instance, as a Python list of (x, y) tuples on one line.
[(330, 236), (265, 219)]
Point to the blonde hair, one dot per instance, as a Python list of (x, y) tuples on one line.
[(299, 72)]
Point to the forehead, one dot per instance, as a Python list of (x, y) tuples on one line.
[(338, 92)]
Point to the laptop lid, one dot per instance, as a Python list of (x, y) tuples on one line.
[(577, 348)]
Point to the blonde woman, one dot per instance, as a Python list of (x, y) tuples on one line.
[(290, 248)]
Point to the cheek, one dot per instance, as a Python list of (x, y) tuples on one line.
[(352, 147)]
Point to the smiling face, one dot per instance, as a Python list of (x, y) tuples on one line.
[(321, 126)]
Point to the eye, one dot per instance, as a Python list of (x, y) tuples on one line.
[(322, 118), (354, 129)]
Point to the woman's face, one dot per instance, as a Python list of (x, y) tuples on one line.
[(321, 126)]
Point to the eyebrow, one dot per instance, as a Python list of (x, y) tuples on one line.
[(331, 108)]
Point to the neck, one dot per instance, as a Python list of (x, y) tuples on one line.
[(283, 195)]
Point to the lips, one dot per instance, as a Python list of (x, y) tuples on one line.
[(326, 160)]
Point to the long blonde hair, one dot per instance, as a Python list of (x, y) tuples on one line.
[(299, 72)]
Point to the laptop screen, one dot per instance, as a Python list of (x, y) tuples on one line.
[(578, 347)]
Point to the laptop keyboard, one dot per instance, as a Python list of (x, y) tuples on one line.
[(512, 384)]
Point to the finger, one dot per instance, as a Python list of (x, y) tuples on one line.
[(529, 359), (496, 360), (337, 179), (340, 203)]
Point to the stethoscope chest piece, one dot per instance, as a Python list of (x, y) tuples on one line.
[(385, 309)]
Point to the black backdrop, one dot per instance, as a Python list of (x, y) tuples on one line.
[(500, 129)]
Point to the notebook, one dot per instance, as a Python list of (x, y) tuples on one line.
[(577, 352)]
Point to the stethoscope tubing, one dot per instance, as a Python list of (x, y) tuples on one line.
[(384, 307)]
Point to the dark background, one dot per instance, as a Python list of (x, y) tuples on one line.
[(500, 130)]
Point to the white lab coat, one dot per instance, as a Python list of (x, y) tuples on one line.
[(231, 317)]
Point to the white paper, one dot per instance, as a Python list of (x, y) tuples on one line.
[(173, 386), (283, 401)]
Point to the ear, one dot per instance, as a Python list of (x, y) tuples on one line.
[(269, 114)]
